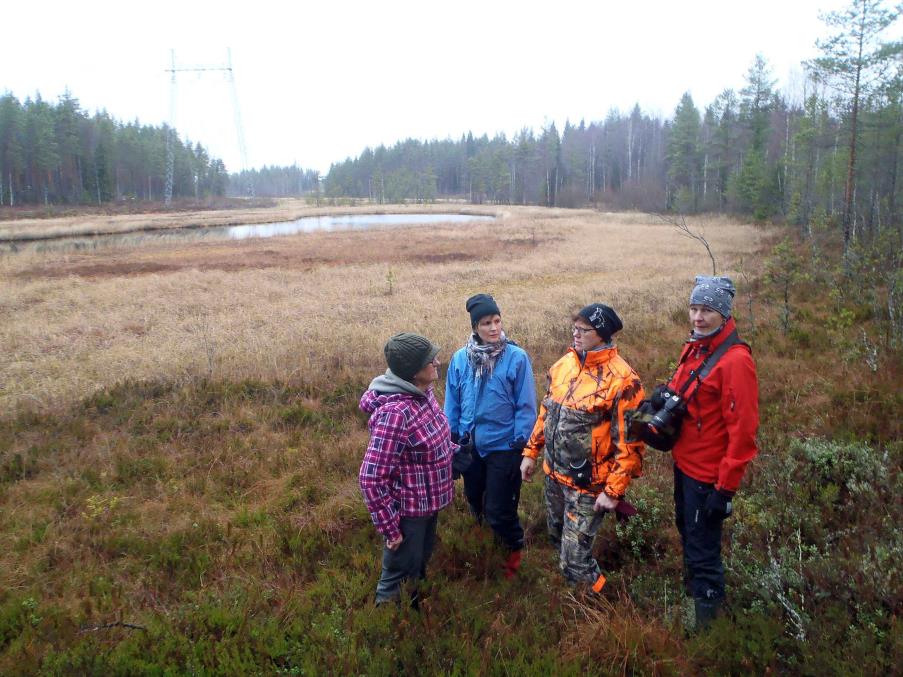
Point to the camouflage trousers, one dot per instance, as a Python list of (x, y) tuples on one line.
[(572, 528)]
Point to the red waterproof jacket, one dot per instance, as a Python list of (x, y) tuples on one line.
[(718, 437)]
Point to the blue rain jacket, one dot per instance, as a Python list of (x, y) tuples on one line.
[(498, 411)]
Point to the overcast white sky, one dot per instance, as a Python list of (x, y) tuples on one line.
[(317, 82)]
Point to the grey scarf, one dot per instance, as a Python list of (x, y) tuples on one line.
[(696, 336), (483, 356), (390, 383), (603, 346)]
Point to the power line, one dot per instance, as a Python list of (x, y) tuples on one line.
[(171, 137)]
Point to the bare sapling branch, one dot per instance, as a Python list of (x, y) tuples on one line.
[(108, 626), (679, 222)]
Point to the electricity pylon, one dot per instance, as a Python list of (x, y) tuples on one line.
[(171, 137)]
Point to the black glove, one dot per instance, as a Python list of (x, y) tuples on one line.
[(518, 444), (463, 459), (718, 504)]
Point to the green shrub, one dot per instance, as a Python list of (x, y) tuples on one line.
[(645, 533), (858, 468)]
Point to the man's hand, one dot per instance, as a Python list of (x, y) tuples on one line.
[(604, 502), (527, 468), (394, 544), (719, 504)]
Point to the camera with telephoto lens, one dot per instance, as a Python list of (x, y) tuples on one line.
[(670, 413), (658, 419)]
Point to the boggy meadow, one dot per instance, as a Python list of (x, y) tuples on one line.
[(181, 441)]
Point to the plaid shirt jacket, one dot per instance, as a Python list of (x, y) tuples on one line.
[(406, 471)]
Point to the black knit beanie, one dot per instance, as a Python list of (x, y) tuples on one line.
[(408, 353), (603, 319), (479, 306)]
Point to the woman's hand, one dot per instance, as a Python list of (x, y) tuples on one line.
[(527, 468), (394, 544), (605, 502)]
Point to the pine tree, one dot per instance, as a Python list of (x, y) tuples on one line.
[(854, 60), (684, 159)]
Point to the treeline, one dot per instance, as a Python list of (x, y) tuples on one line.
[(273, 182), (832, 152), (59, 154)]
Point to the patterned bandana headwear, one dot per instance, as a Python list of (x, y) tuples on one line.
[(716, 293)]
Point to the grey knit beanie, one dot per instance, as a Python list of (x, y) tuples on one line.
[(408, 353), (715, 292)]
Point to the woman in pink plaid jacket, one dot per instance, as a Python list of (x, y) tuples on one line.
[(406, 475)]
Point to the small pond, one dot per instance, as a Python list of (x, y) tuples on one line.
[(308, 224)]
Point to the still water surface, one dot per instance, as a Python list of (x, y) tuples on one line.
[(308, 224)]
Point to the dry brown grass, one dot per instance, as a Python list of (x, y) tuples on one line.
[(317, 307)]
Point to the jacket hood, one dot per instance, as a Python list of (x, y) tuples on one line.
[(390, 383), (387, 388)]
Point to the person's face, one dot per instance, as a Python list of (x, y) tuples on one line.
[(428, 375), (489, 328), (703, 319), (585, 337)]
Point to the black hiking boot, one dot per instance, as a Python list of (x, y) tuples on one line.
[(707, 610)]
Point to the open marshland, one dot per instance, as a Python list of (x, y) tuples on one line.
[(319, 307), (180, 440)]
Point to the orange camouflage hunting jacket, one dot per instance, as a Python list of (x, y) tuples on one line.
[(582, 418)]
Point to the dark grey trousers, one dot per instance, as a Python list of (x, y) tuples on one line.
[(700, 536), (492, 486), (409, 561)]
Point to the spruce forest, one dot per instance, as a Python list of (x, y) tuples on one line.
[(828, 147)]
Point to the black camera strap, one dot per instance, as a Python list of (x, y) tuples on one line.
[(709, 362)]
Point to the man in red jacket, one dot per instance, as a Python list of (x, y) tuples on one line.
[(717, 439)]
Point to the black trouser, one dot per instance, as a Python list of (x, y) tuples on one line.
[(700, 536), (408, 562), (492, 486)]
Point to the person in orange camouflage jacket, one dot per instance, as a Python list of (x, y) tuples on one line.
[(588, 458)]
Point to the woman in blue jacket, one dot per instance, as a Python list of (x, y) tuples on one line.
[(490, 402)]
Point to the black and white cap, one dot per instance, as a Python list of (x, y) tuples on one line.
[(715, 292), (603, 319)]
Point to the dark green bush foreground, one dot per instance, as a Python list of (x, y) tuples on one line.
[(217, 528), (283, 584)]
